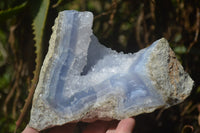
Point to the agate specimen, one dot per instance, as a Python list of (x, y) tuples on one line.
[(82, 80)]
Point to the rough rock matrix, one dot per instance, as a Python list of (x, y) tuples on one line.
[(82, 80)]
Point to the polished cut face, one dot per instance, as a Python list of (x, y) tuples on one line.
[(82, 80)]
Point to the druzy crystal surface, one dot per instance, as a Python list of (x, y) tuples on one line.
[(82, 80)]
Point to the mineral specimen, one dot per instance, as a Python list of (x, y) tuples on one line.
[(82, 80)]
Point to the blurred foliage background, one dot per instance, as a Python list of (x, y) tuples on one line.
[(123, 25)]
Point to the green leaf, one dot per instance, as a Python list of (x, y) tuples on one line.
[(40, 11), (177, 37), (180, 49), (5, 78), (5, 14), (58, 3), (3, 37), (198, 89)]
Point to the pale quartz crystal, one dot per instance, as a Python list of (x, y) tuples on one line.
[(82, 80)]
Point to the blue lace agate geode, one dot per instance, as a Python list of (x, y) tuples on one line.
[(82, 80)]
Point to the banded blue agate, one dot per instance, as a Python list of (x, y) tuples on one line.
[(82, 80)]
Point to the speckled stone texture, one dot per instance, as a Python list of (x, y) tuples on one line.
[(82, 80)]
